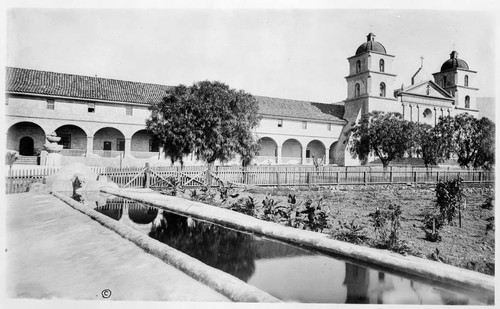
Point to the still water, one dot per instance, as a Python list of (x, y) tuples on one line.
[(287, 272)]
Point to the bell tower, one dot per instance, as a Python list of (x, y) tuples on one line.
[(370, 86)]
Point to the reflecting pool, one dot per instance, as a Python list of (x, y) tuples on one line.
[(290, 273)]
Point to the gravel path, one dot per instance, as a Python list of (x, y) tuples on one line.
[(53, 251)]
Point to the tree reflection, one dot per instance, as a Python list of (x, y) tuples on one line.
[(227, 250)]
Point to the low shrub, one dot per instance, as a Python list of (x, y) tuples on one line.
[(352, 232)]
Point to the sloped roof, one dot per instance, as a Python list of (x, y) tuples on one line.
[(299, 109), (439, 91), (82, 87), (27, 81)]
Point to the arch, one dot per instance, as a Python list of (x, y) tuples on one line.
[(268, 152), (381, 65), (73, 139), (291, 151), (23, 129), (428, 117), (315, 150), (466, 80), (382, 89), (467, 101), (144, 144), (141, 214), (332, 152), (357, 90), (358, 66), (108, 142)]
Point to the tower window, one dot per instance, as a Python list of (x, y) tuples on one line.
[(444, 81), (382, 89), (50, 104), (358, 66), (357, 90), (467, 101), (91, 107), (382, 65), (280, 123), (466, 81)]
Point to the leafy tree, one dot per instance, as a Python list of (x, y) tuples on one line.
[(428, 143), (384, 135), (208, 119), (10, 158), (485, 156), (471, 140)]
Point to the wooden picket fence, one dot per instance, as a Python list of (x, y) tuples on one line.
[(18, 180)]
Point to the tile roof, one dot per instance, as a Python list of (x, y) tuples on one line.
[(29, 81), (82, 87), (299, 109)]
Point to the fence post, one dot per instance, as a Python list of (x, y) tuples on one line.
[(480, 177), (437, 177), (338, 180), (146, 176), (278, 179), (415, 177), (391, 176), (364, 177)]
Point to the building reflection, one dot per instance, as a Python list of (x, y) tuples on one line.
[(357, 281)]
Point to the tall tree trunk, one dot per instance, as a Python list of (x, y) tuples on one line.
[(208, 175)]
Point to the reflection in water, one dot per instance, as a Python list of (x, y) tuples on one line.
[(287, 272), (227, 250), (357, 282)]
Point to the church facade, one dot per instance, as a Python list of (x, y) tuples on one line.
[(103, 118)]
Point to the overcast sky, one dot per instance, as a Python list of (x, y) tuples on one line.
[(296, 54)]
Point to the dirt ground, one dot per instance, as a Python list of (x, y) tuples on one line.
[(469, 247)]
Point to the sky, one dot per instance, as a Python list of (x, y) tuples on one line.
[(287, 53)]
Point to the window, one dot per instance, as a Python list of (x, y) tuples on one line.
[(91, 107), (304, 124), (444, 81), (128, 110), (357, 90), (329, 127), (467, 101), (120, 144), (382, 89), (50, 104), (382, 65), (65, 140), (427, 114), (466, 81), (280, 123), (358, 66), (154, 145)]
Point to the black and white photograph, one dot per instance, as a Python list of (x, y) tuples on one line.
[(230, 153)]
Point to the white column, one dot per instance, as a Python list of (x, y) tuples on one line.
[(327, 156), (304, 154), (90, 144), (128, 146), (278, 154)]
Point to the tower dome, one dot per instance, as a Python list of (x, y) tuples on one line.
[(371, 45), (454, 62)]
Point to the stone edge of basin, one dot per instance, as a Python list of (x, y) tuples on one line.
[(412, 265), (226, 284)]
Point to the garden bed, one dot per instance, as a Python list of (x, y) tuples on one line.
[(470, 247)]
